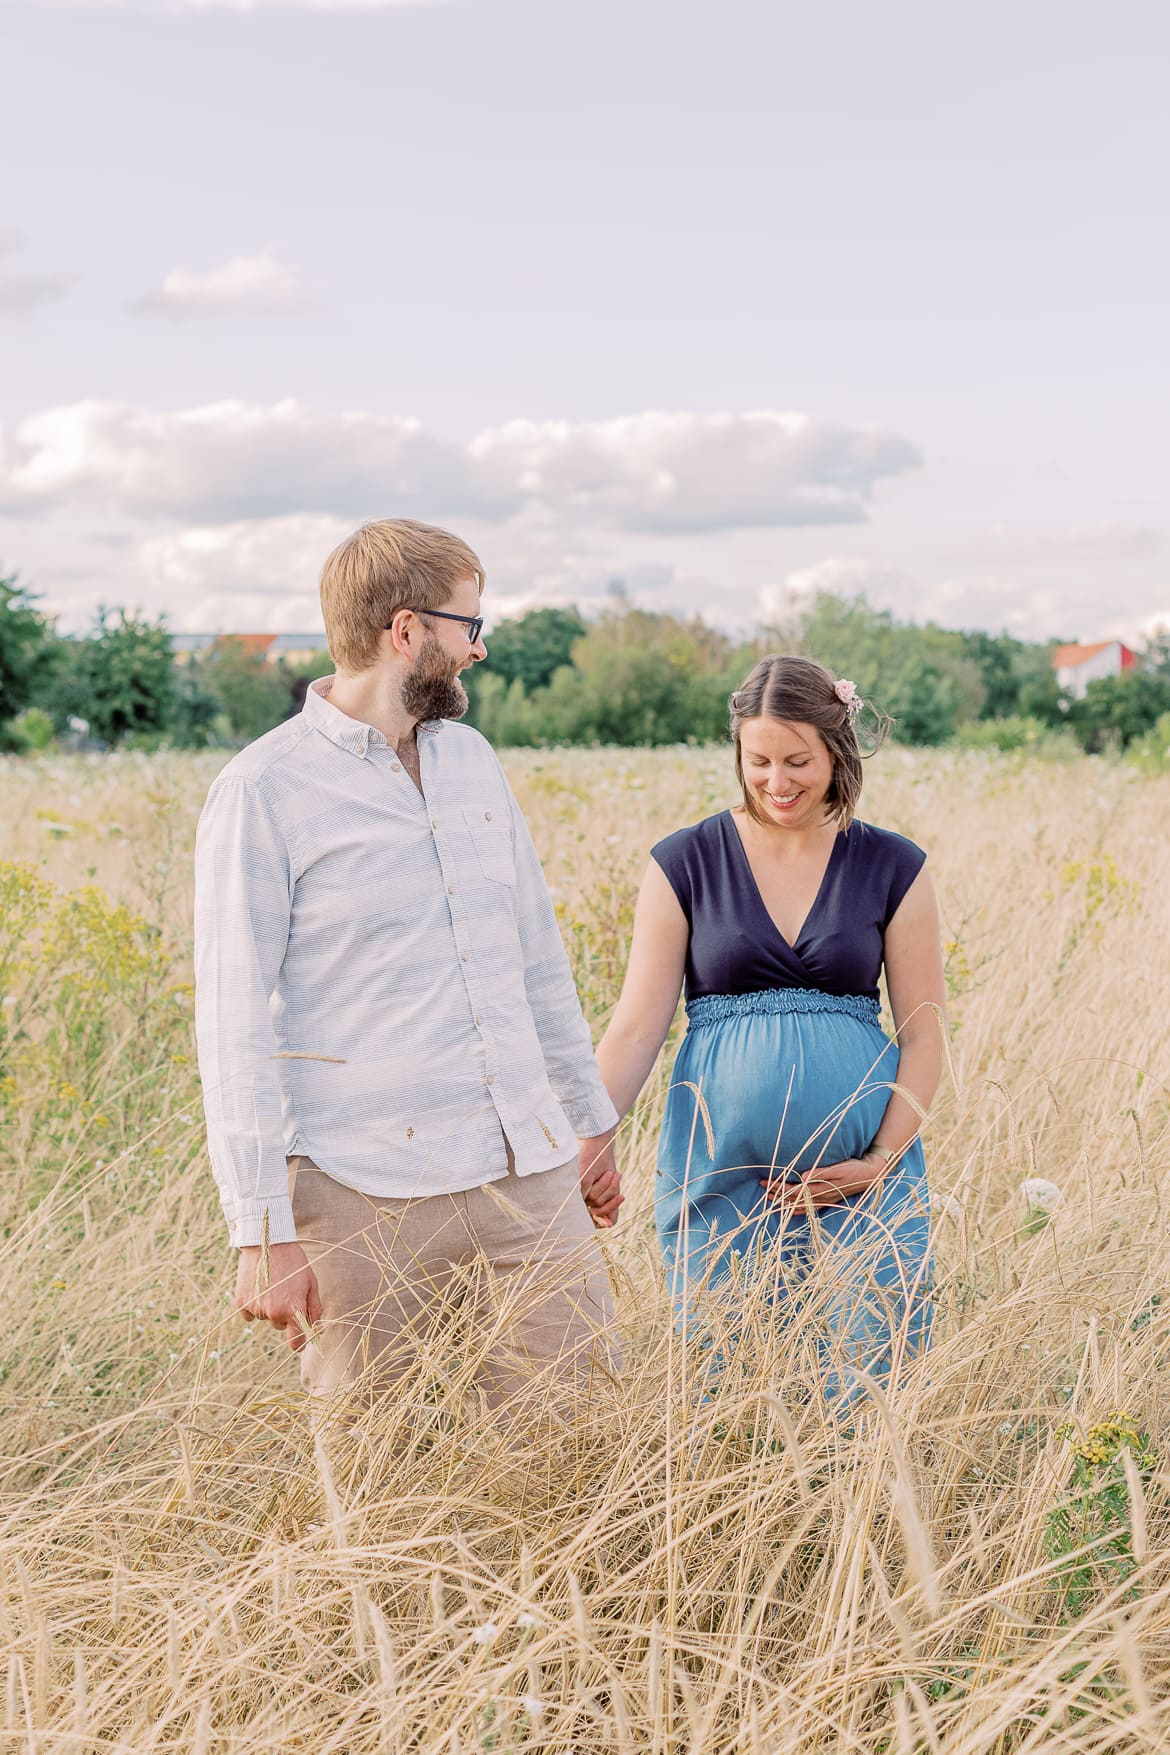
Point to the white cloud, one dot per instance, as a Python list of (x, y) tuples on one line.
[(836, 576), (689, 471), (247, 284), (1063, 603), (648, 472), (269, 566), (222, 462), (21, 294)]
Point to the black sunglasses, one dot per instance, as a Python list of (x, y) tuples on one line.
[(473, 623)]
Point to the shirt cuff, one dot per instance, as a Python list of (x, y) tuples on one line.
[(246, 1222), (589, 1116)]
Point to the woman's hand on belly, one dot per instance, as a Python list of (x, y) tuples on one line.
[(826, 1185)]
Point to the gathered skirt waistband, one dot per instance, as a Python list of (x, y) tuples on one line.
[(716, 1008)]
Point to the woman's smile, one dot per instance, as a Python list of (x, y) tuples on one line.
[(786, 801)]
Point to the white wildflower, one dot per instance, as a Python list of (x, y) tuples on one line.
[(533, 1706), (1040, 1195), (527, 1621), (486, 1634), (953, 1208)]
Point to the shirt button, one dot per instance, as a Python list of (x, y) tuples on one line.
[(477, 1023), (487, 816), (450, 889), (490, 1079), (463, 956), (396, 767), (434, 822)]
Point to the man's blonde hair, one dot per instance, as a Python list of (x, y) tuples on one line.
[(385, 566)]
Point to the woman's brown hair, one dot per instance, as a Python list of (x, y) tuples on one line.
[(803, 692)]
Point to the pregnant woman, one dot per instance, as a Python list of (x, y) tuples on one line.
[(785, 1143)]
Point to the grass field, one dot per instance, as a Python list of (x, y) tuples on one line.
[(183, 1568)]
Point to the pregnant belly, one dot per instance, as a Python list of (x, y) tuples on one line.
[(793, 1089)]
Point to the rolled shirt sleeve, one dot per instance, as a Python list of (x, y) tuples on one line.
[(573, 1073), (243, 897)]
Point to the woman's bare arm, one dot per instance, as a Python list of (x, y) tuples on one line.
[(654, 976), (917, 988)]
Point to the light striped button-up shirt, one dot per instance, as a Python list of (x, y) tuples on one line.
[(380, 983)]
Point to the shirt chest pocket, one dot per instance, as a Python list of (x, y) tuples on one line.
[(491, 837)]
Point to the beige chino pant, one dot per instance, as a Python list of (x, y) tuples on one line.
[(519, 1257)]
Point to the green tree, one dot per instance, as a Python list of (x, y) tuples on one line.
[(1040, 695), (254, 695), (28, 652), (504, 713), (121, 679), (923, 703), (531, 648), (643, 678), (632, 677), (1119, 708), (1156, 658), (923, 676), (852, 638), (198, 712)]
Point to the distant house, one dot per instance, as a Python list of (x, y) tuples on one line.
[(273, 648), (1077, 666)]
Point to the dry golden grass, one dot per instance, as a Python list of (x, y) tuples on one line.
[(182, 1566)]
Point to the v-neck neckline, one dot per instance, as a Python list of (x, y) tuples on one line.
[(790, 944)]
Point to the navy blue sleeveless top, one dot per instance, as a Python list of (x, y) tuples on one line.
[(734, 945)]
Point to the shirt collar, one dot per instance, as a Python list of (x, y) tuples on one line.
[(343, 730)]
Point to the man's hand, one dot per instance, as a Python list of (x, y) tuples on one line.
[(289, 1300), (601, 1186), (826, 1185)]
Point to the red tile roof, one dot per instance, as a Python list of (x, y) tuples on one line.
[(250, 642), (1065, 657)]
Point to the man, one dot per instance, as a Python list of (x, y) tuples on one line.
[(393, 1056)]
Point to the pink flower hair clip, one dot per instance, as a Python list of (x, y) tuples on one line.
[(846, 693)]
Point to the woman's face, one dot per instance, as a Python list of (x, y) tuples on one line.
[(787, 771)]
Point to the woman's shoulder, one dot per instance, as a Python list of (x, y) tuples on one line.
[(886, 864), (691, 840), (687, 857), (884, 844)]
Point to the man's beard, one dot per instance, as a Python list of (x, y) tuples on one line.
[(431, 688)]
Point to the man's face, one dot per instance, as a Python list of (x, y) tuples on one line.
[(431, 688)]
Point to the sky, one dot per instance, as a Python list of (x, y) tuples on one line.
[(733, 300)]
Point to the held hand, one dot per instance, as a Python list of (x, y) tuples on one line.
[(290, 1300), (601, 1186), (826, 1185)]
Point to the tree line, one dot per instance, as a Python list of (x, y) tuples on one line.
[(626, 675), (119, 685), (634, 676)]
